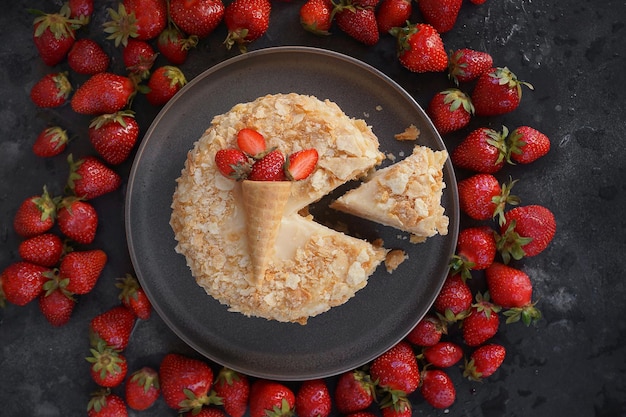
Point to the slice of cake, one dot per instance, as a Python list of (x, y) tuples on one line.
[(405, 195)]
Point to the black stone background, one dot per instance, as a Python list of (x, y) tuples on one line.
[(571, 364)]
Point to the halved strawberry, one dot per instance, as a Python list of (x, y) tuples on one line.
[(251, 142), (301, 164)]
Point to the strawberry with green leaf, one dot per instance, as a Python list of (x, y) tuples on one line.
[(77, 220), (475, 250), (185, 383), (428, 331), (175, 46), (54, 34), (246, 21), (36, 214), (114, 326), (512, 289), (134, 297), (89, 177), (56, 304), (313, 399), (466, 65), (139, 19), (484, 361), (454, 301), (269, 168), (420, 48), (142, 389), (437, 388), (114, 135), (396, 370), (50, 142), (392, 13), (357, 21), (80, 270), (482, 322), (103, 403), (197, 17), (527, 231), (271, 398), (108, 367), (233, 388), (526, 144), (450, 110), (443, 354), (316, 16), (138, 57), (52, 90), (482, 197), (354, 392), (102, 93), (498, 91), (482, 150), (233, 163), (163, 83)]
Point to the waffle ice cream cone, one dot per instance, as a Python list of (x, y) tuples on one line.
[(264, 202)]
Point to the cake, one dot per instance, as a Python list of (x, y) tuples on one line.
[(310, 268)]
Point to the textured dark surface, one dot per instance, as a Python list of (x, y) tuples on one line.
[(572, 363)]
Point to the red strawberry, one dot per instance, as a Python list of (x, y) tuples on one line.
[(234, 390), (185, 382), (108, 367), (316, 16), (482, 197), (443, 354), (134, 297), (401, 408), (527, 231), (437, 388), (87, 57), (441, 14), (50, 142), (354, 392), (232, 163), (54, 35), (512, 289), (82, 269), (301, 164), (114, 136), (102, 93), (81, 9), (269, 168), (164, 82), (392, 13), (246, 21), (450, 110), (484, 361), (90, 178), (197, 17), (358, 22), (52, 90), (396, 369), (455, 299), (251, 142), (77, 220), (142, 389), (113, 326), (36, 215), (271, 398), (105, 404), (22, 282), (467, 65), (420, 48), (482, 322), (497, 91), (139, 19), (483, 150), (138, 57), (475, 250), (45, 249), (428, 331), (313, 399), (174, 46), (57, 306), (526, 144)]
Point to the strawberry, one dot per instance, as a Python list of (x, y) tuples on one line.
[(466, 65), (482, 150), (497, 91), (512, 289), (316, 16), (482, 197), (113, 326), (271, 398), (392, 13), (50, 142), (82, 269), (396, 369), (354, 392), (197, 17), (484, 361), (437, 388), (428, 331), (420, 48), (45, 249), (164, 82), (52, 90), (81, 9), (482, 322), (114, 136), (526, 144), (454, 300), (401, 408), (234, 390), (142, 389), (104, 92), (134, 297), (174, 46), (139, 19), (301, 164), (232, 163), (358, 22), (138, 57), (185, 382), (22, 282), (87, 57), (313, 399), (441, 14), (246, 21), (443, 354), (251, 142), (475, 250), (527, 231), (450, 110), (57, 306), (269, 168), (54, 34), (206, 412), (89, 178), (77, 220), (105, 404), (36, 215), (108, 367)]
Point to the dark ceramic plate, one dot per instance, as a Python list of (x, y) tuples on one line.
[(343, 338)]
